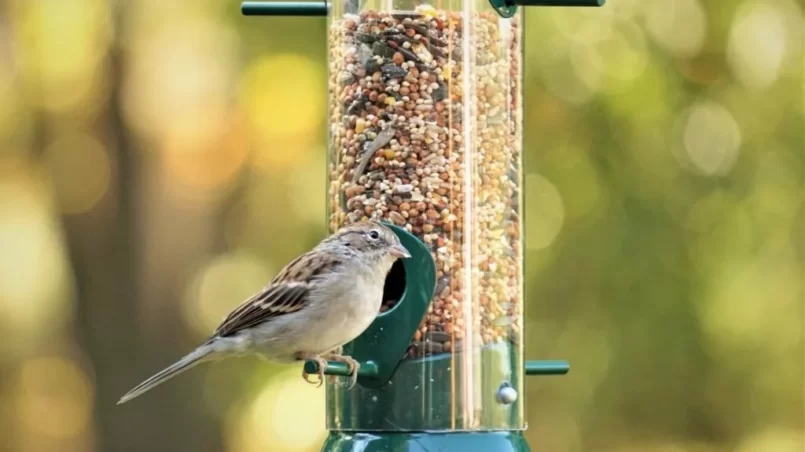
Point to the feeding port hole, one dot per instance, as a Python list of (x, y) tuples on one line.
[(394, 287)]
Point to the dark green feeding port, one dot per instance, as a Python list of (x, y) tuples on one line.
[(425, 134)]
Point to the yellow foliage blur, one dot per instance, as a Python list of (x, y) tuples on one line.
[(159, 161)]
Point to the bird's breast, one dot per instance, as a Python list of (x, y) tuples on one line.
[(345, 310)]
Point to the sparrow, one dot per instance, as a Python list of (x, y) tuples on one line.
[(317, 303)]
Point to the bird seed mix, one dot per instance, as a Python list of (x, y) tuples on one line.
[(428, 138)]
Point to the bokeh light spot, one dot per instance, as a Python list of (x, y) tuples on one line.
[(757, 45), (181, 78), (561, 78), (219, 286), (283, 96), (209, 158), (679, 26), (751, 302), (774, 439), (619, 59), (287, 416), (34, 285), (53, 397), (711, 138), (65, 43), (583, 26)]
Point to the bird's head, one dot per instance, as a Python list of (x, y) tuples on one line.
[(371, 239)]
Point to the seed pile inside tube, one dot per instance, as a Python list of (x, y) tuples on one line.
[(427, 137)]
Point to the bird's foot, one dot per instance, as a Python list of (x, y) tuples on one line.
[(336, 351), (353, 365), (322, 364)]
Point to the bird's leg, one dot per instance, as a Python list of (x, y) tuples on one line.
[(353, 365), (322, 367)]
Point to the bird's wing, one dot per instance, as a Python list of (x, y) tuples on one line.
[(287, 293)]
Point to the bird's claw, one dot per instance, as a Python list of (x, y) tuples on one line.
[(322, 365), (353, 371), (351, 363)]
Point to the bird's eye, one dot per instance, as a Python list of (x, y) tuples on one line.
[(374, 235)]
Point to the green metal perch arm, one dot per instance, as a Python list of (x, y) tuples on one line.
[(369, 368)]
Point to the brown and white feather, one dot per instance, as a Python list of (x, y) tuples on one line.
[(319, 301), (288, 292)]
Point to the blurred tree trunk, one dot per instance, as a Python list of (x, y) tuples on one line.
[(107, 255)]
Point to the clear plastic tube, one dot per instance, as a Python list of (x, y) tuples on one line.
[(426, 133)]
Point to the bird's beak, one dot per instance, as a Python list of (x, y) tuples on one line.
[(399, 251)]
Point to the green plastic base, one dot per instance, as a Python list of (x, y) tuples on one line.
[(426, 442), (424, 395)]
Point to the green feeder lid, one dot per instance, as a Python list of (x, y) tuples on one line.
[(506, 8)]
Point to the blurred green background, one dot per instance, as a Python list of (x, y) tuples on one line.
[(160, 160)]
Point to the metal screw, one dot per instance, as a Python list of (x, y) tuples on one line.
[(506, 394)]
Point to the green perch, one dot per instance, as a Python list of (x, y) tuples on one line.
[(339, 369), (369, 369)]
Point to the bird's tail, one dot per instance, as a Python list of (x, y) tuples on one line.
[(197, 356)]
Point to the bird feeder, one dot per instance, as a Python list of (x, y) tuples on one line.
[(425, 134)]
